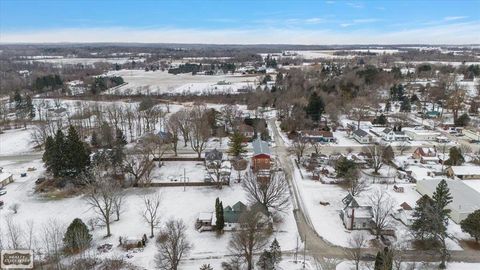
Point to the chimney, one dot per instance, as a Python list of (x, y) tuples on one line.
[(352, 219)]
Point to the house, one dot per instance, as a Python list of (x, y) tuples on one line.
[(404, 214), (204, 221), (261, 159), (421, 134), (321, 136), (391, 135), (213, 156), (232, 215), (464, 172), (354, 215), (465, 200), (247, 131), (362, 136), (5, 178), (426, 155)]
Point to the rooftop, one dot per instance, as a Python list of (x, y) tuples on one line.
[(465, 198)]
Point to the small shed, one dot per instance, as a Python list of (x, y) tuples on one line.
[(5, 178)]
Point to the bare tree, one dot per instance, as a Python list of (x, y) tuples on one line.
[(181, 120), (403, 146), (326, 263), (357, 242), (360, 110), (172, 245), (376, 154), (14, 233), (118, 202), (151, 213), (356, 184), (299, 146), (272, 193), (153, 146), (250, 239), (139, 166), (200, 130), (173, 127), (382, 206), (52, 239), (316, 146), (102, 192)]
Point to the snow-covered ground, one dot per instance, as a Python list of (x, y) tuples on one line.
[(158, 82), (176, 203), (15, 141)]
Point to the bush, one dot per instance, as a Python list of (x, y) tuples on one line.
[(77, 237)]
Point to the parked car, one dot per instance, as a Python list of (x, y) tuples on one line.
[(1, 204), (3, 192), (23, 174), (40, 180)]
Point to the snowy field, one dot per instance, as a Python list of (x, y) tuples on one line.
[(158, 82), (173, 171), (83, 61), (15, 141)]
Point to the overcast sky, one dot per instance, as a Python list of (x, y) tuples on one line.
[(242, 22)]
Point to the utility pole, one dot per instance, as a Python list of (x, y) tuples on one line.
[(296, 251), (184, 180), (304, 250)]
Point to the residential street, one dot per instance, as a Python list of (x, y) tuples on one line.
[(320, 248)]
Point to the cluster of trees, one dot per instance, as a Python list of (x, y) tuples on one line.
[(66, 156), (47, 83), (24, 108), (186, 68), (101, 84)]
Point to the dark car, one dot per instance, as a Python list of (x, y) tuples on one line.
[(1, 204), (40, 180)]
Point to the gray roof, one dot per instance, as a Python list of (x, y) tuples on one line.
[(260, 147), (465, 198), (360, 133), (213, 155)]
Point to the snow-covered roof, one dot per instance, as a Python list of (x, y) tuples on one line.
[(360, 133), (465, 198), (205, 216), (4, 175), (260, 147), (466, 170)]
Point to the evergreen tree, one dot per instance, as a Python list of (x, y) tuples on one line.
[(94, 140), (462, 121), (471, 225), (219, 222), (315, 107), (455, 157), (120, 137), (421, 226), (17, 98), (405, 105), (275, 251), (49, 150), (77, 237), (384, 260), (28, 107), (77, 154), (236, 147), (58, 157), (343, 166), (265, 261), (380, 120)]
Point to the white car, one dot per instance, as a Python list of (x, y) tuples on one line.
[(3, 192)]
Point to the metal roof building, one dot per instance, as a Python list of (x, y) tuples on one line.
[(465, 199)]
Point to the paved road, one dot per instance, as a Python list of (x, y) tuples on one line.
[(318, 247)]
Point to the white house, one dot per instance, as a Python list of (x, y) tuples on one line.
[(465, 200), (354, 215), (362, 136), (421, 134), (390, 135)]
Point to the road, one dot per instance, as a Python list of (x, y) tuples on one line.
[(318, 247)]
